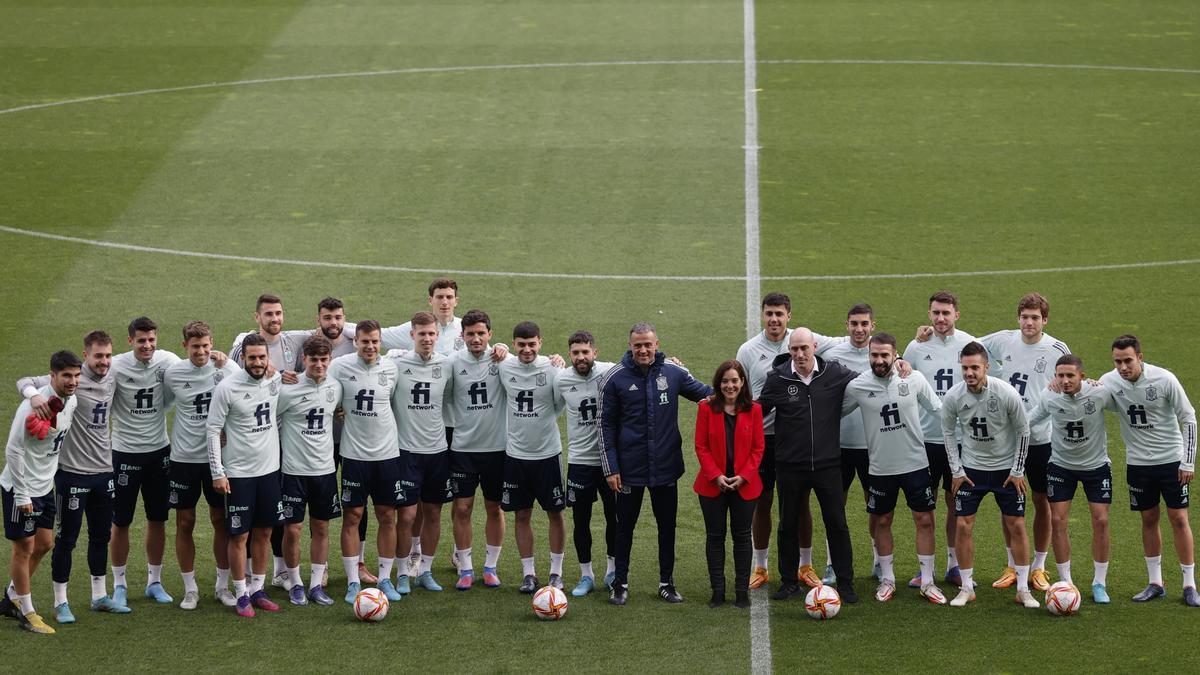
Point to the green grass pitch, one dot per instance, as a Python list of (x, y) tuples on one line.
[(930, 159)]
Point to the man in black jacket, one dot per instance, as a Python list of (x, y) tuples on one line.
[(806, 393)]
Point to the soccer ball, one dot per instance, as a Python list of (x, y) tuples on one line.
[(822, 602), (1062, 599), (549, 603), (370, 605)]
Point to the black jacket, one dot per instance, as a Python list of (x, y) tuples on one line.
[(808, 417)]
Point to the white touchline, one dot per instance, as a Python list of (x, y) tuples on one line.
[(584, 277), (760, 611)]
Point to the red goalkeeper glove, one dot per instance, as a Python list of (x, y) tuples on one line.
[(37, 427)]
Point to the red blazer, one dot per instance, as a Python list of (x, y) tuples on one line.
[(747, 450)]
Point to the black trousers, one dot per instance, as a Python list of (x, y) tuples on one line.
[(581, 517), (664, 502), (739, 513), (792, 489)]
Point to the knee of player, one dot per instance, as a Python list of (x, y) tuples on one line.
[(1178, 518)]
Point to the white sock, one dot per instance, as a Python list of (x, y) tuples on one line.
[(968, 581), (385, 568), (1100, 573), (1039, 560), (874, 553), (611, 566), (828, 555), (257, 581), (153, 574), (951, 558), (362, 550), (1189, 575), (556, 562), (1064, 572), (760, 558), (222, 579), (805, 556), (1154, 569), (465, 563), (239, 588), (426, 563), (351, 566), (189, 582), (416, 547), (60, 593), (527, 566), (99, 587), (402, 567), (926, 562), (493, 556), (119, 575), (318, 575), (280, 566), (26, 603), (886, 572), (294, 577), (585, 570), (1022, 577), (1011, 562), (249, 567), (11, 591)]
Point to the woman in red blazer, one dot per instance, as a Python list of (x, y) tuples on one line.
[(729, 445)]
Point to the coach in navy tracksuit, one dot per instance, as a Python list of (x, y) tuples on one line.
[(640, 449)]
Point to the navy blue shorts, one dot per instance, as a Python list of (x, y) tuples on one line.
[(530, 480), (883, 492), (378, 480), (1036, 462), (1061, 483), (584, 484), (1148, 484), (968, 497), (317, 493), (19, 525), (939, 465), (855, 462), (83, 492), (187, 482), (147, 473), (766, 468), (253, 502), (483, 470), (425, 478)]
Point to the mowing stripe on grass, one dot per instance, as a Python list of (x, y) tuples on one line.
[(586, 277), (760, 610)]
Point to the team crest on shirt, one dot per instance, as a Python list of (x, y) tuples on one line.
[(492, 369), (383, 380), (661, 382), (437, 372), (1151, 393), (902, 389), (160, 374), (540, 379), (274, 387), (235, 521), (993, 405), (329, 395), (1089, 407), (217, 377), (1039, 366), (793, 390)]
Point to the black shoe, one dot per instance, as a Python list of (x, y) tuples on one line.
[(618, 594), (10, 609), (742, 600), (786, 591), (667, 592), (529, 584), (845, 589), (718, 599)]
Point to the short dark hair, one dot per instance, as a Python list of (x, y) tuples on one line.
[(142, 324), (861, 308), (443, 282), (330, 304), (366, 326), (475, 316), (60, 361), (744, 400), (268, 299), (883, 339), (974, 349), (526, 329), (1069, 360), (318, 345), (96, 337), (643, 327), (776, 300), (945, 297), (253, 340), (581, 337), (422, 319), (1034, 301), (1127, 341), (196, 329)]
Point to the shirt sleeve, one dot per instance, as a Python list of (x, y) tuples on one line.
[(217, 412), (397, 337), (18, 446), (692, 389), (825, 343), (949, 421), (849, 402), (28, 387), (1186, 414), (610, 421), (1016, 410), (925, 396)]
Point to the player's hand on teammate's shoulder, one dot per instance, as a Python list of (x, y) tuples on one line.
[(499, 352), (290, 377), (903, 368), (219, 358), (558, 361), (924, 333), (40, 406)]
